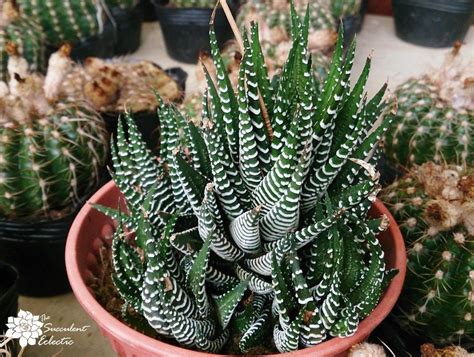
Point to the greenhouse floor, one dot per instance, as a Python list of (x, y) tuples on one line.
[(393, 60)]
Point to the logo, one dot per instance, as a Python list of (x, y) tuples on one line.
[(30, 330)]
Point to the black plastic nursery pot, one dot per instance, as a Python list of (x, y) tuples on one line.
[(353, 24), (148, 10), (8, 293), (432, 23), (128, 29), (101, 45), (186, 31)]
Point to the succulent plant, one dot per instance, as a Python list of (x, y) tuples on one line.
[(51, 150), (62, 21), (118, 86), (342, 8), (250, 228), (435, 118), (434, 206), (25, 34)]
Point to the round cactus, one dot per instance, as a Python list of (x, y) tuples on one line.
[(51, 150), (434, 206), (435, 119), (63, 21), (25, 33)]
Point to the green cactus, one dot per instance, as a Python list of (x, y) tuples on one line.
[(51, 151), (434, 206), (435, 119), (342, 8), (25, 33), (254, 230), (63, 21)]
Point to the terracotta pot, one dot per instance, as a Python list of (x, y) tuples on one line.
[(86, 238)]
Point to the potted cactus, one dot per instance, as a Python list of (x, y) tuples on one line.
[(249, 233), (81, 23), (435, 117), (185, 24), (113, 87), (52, 152), (127, 22), (25, 33), (434, 205)]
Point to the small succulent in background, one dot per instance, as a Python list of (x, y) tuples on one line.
[(250, 229), (118, 86), (63, 21), (342, 8), (434, 206), (26, 36), (52, 150), (435, 118)]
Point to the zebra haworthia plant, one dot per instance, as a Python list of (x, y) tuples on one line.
[(251, 229)]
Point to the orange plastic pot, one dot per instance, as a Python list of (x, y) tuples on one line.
[(86, 237)]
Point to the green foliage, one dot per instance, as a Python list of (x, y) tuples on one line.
[(257, 249), (62, 21), (434, 206)]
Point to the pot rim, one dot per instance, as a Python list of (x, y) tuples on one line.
[(123, 332)]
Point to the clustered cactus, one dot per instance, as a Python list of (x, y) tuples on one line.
[(434, 206), (116, 87), (250, 228), (342, 8), (274, 19), (24, 33), (435, 118), (70, 21), (52, 150)]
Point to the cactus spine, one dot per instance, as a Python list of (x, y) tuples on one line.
[(52, 151), (435, 118), (25, 34), (264, 235), (434, 206)]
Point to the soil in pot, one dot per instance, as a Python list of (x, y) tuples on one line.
[(128, 29), (435, 23), (186, 31)]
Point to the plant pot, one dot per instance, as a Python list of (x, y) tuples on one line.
[(186, 31), (8, 293), (148, 10), (128, 29), (432, 23), (148, 122), (8, 299), (101, 45), (353, 24), (87, 237)]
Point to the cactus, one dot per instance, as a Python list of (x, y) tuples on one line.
[(70, 21), (118, 86), (434, 206), (25, 33), (435, 119), (52, 150), (251, 227), (342, 8)]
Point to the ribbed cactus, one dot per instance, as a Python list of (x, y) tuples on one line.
[(251, 228), (434, 206), (435, 118), (51, 150), (119, 86), (63, 21), (341, 8), (25, 33)]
